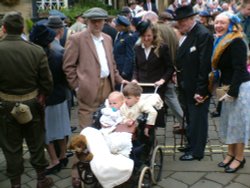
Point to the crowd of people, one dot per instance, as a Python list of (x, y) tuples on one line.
[(190, 51)]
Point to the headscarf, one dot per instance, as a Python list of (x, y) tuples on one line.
[(221, 43)]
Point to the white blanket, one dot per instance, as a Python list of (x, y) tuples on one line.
[(110, 170)]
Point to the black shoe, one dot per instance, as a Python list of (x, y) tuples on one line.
[(64, 161), (224, 165), (232, 170), (215, 114), (53, 169), (69, 154), (73, 129), (189, 157), (184, 149)]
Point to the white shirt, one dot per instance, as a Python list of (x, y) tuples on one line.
[(147, 50), (183, 38), (149, 6), (98, 41)]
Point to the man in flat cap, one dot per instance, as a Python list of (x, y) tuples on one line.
[(25, 81), (193, 64), (89, 65), (90, 68)]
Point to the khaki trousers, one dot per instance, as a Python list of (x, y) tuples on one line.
[(85, 111)]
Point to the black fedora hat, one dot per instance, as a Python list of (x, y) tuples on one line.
[(184, 12), (42, 35), (55, 22), (142, 26)]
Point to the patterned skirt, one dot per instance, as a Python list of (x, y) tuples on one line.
[(235, 117)]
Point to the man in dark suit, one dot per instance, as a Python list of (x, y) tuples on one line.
[(148, 5), (193, 65)]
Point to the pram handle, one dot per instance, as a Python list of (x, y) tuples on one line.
[(144, 85)]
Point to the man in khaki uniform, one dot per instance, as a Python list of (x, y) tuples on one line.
[(25, 81)]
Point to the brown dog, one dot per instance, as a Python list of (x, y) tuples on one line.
[(79, 144)]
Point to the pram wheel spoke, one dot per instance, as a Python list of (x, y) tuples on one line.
[(156, 164)]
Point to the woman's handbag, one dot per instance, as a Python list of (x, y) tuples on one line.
[(221, 91)]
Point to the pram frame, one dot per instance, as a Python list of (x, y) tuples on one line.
[(150, 174)]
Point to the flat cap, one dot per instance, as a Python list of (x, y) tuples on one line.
[(125, 10), (122, 20), (165, 16), (13, 19), (55, 22), (95, 13)]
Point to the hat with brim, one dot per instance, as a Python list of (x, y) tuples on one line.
[(42, 35), (58, 13), (125, 10), (184, 12), (95, 13), (122, 20), (204, 13), (142, 26), (55, 22)]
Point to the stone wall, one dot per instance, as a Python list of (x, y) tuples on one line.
[(25, 7)]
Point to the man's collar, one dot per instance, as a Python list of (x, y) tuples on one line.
[(100, 38)]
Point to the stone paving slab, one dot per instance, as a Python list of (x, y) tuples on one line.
[(176, 174)]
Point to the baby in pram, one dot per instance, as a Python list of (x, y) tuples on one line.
[(105, 164)]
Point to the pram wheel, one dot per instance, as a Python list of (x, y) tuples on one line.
[(156, 164), (145, 178), (85, 173)]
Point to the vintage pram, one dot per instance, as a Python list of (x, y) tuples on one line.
[(146, 154)]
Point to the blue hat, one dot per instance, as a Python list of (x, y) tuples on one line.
[(42, 35), (204, 13), (57, 13), (122, 20)]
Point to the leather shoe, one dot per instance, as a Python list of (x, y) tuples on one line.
[(189, 157), (184, 149), (55, 168), (232, 170), (224, 165), (215, 114)]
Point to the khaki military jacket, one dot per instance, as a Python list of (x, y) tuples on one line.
[(23, 67)]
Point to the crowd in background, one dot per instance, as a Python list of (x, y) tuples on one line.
[(178, 49)]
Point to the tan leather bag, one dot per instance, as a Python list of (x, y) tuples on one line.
[(221, 91)]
